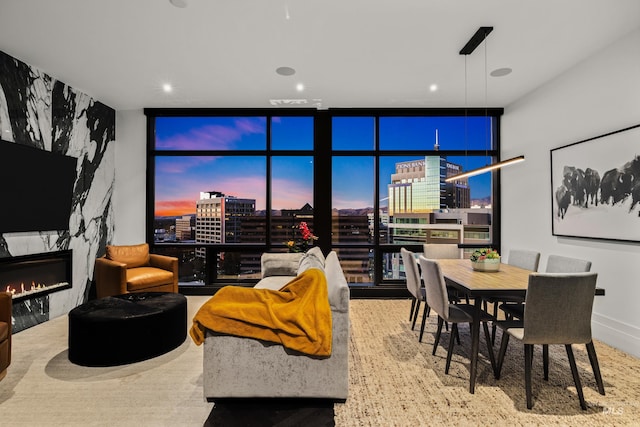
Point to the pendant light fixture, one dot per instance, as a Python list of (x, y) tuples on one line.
[(479, 37)]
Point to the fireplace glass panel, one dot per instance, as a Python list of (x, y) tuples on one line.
[(34, 275)]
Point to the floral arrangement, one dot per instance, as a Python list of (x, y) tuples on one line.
[(306, 239), (484, 253)]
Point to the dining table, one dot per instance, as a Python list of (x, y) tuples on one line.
[(476, 285), (508, 281)]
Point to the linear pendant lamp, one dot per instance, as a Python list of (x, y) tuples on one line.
[(475, 41), (485, 169)]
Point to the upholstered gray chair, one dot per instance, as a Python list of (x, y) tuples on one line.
[(414, 286), (444, 251), (555, 264), (563, 264), (438, 300), (557, 310), (529, 260), (441, 251), (560, 264)]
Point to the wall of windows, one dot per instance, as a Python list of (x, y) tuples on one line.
[(226, 185)]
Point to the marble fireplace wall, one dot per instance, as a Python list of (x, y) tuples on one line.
[(42, 112)]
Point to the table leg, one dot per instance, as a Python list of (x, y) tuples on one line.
[(475, 343)]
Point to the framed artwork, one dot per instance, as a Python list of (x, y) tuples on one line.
[(595, 187)]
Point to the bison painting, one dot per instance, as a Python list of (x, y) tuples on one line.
[(595, 187)]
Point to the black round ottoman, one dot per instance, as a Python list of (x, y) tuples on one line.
[(126, 328)]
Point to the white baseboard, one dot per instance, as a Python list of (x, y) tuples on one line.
[(617, 334)]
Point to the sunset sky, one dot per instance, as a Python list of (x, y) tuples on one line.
[(181, 178)]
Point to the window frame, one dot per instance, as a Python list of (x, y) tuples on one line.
[(323, 154)]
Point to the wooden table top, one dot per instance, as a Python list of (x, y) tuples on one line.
[(510, 279)]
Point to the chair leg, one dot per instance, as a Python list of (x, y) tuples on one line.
[(454, 327), (576, 377), (415, 314), (413, 306), (528, 353), (437, 340), (595, 366), (425, 313), (545, 361), (489, 347), (503, 349), (493, 326)]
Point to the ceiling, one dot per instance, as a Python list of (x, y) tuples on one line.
[(347, 53)]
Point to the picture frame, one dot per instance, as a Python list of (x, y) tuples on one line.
[(595, 187)]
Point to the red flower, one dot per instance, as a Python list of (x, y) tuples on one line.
[(306, 233)]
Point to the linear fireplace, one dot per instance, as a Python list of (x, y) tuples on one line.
[(36, 275)]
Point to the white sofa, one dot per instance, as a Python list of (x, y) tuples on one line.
[(236, 367)]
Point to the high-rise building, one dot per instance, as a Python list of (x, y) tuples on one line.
[(418, 186), (184, 228), (219, 218), (417, 189)]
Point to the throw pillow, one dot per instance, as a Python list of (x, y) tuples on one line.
[(280, 264), (313, 258)]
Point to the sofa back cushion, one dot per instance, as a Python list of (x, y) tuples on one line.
[(337, 286), (313, 258), (132, 255)]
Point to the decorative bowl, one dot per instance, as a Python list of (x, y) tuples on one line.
[(489, 265)]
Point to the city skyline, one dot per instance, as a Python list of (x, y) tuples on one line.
[(179, 179)]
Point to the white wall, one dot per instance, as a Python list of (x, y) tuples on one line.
[(597, 96), (129, 197)]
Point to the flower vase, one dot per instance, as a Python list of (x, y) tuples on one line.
[(488, 265)]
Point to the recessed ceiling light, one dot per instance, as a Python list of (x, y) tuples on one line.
[(167, 87), (299, 87), (433, 87), (179, 3), (285, 71), (499, 72)]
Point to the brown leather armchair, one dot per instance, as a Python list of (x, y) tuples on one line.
[(5, 332), (128, 269)]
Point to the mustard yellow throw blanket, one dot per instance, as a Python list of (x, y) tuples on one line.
[(298, 316)]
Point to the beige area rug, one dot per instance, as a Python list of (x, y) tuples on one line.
[(394, 381)]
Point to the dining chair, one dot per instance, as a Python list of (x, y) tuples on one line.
[(560, 264), (557, 310), (437, 299), (555, 264), (414, 286), (441, 251), (444, 251), (529, 260)]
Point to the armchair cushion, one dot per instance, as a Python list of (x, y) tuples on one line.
[(145, 277), (132, 255)]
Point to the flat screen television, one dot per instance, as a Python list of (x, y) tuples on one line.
[(36, 189)]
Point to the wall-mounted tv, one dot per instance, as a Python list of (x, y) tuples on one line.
[(36, 188)]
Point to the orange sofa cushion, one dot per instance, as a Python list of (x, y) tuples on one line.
[(132, 255)]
